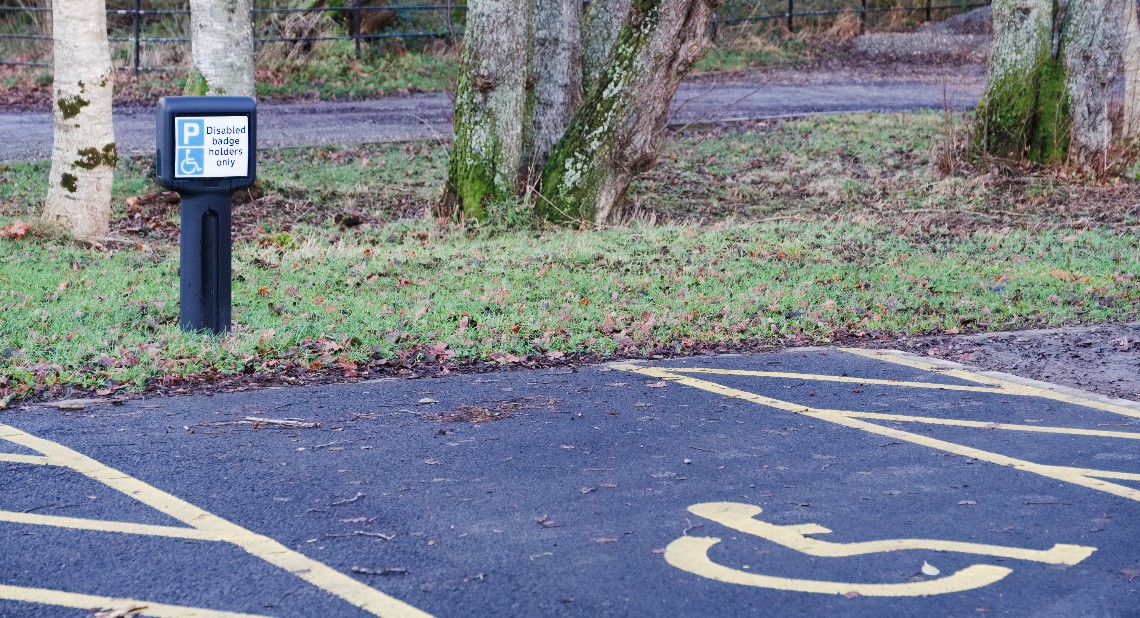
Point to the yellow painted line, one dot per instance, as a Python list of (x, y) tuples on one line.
[(92, 602), (844, 379), (269, 550), (1127, 435), (39, 460), (742, 518), (1013, 388), (690, 553), (99, 525), (1076, 476)]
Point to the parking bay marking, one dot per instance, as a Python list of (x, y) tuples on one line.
[(1084, 477), (690, 553), (202, 525)]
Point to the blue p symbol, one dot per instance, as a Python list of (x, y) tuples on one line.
[(189, 131)]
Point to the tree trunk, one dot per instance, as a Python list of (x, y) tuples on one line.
[(557, 76), (604, 20), (490, 108), (1092, 47), (83, 154), (1130, 125), (612, 137), (221, 48), (1022, 109)]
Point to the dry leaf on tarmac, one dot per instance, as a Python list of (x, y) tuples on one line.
[(546, 522), (658, 384), (852, 595), (604, 539), (426, 401), (967, 502), (929, 570), (126, 611)]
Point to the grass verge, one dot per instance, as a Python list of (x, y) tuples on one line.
[(336, 272)]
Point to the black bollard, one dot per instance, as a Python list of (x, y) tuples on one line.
[(206, 150)]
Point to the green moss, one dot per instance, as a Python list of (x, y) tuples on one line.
[(1049, 142), (196, 84), (69, 182), (91, 158), (577, 164), (71, 106), (473, 164)]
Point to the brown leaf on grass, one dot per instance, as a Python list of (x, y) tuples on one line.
[(16, 229)]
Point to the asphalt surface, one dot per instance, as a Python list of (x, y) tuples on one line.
[(28, 135), (593, 491)]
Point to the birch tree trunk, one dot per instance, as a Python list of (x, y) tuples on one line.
[(603, 22), (83, 153), (490, 108), (556, 70), (221, 48), (1130, 129), (1092, 48), (1022, 107), (612, 137)]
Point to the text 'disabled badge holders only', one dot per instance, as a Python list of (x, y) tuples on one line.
[(206, 149)]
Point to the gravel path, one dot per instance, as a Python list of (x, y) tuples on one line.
[(28, 135)]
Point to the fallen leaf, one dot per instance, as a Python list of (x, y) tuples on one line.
[(426, 401), (967, 502), (587, 490), (852, 595), (1131, 574), (929, 570), (659, 384), (658, 550), (604, 539), (16, 229), (546, 522)]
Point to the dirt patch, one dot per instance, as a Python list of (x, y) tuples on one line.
[(1104, 359), (483, 412)]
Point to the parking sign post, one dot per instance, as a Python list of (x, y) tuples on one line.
[(206, 150)]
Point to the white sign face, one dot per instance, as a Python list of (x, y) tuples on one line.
[(211, 146)]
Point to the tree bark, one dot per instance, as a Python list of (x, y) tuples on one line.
[(556, 68), (1130, 125), (490, 108), (1092, 48), (1022, 109), (83, 154), (603, 23), (612, 137), (221, 48)]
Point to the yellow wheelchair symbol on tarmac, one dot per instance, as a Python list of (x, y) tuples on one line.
[(690, 553)]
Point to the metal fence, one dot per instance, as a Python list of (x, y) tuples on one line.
[(133, 29)]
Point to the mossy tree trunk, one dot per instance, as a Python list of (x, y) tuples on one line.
[(491, 104), (603, 23), (1046, 95), (1092, 46), (1022, 109), (1130, 122), (613, 135), (83, 153), (556, 70), (221, 48)]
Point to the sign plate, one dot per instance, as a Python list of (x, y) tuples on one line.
[(211, 146)]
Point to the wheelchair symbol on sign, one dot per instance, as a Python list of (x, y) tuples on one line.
[(189, 165), (690, 553)]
